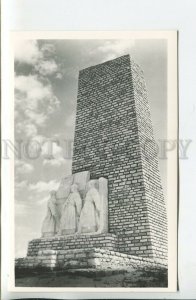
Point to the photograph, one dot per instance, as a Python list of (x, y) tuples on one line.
[(95, 201)]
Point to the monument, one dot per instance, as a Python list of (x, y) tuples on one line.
[(110, 212), (78, 206)]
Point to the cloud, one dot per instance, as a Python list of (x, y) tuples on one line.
[(43, 186), (33, 194), (52, 154), (29, 129), (34, 103), (59, 75), (35, 146), (31, 90), (20, 185), (38, 118), (35, 100), (70, 121), (54, 162), (27, 51), (51, 149), (41, 58), (47, 67), (23, 168), (39, 139), (48, 50), (114, 48)]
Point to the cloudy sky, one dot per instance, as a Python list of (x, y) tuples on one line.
[(46, 74)]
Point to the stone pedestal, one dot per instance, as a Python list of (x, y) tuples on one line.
[(104, 241), (86, 258)]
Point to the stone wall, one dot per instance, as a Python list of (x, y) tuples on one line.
[(85, 258), (102, 259), (104, 241), (112, 124), (153, 189)]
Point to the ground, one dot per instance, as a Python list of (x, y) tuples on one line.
[(142, 277)]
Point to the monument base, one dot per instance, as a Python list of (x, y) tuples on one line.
[(82, 251), (84, 259), (104, 241)]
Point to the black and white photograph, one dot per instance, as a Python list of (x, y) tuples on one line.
[(95, 190)]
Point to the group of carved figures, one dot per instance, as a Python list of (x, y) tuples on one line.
[(75, 217)]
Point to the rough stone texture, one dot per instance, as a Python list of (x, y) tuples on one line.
[(86, 258), (103, 191), (112, 137), (104, 241), (103, 259), (44, 258)]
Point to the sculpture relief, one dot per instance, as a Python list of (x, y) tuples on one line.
[(83, 211), (50, 224), (90, 214), (71, 212)]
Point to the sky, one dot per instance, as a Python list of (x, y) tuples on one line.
[(46, 81)]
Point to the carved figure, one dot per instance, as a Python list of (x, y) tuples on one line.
[(71, 212), (90, 214), (50, 224)]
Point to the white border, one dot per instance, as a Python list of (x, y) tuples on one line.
[(7, 207)]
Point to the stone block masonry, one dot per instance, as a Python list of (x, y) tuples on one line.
[(114, 139), (85, 258), (105, 241)]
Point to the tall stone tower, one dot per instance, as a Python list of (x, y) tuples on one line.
[(114, 139)]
